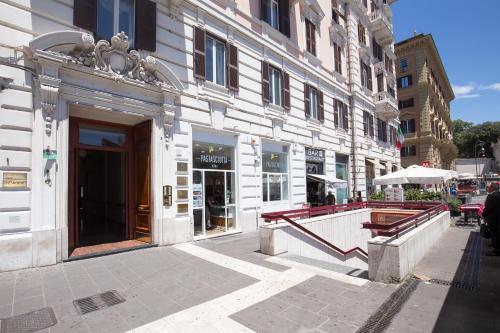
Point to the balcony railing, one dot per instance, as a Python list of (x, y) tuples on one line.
[(338, 33), (381, 27), (385, 105)]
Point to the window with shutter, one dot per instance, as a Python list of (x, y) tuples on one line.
[(307, 101), (136, 18), (199, 53), (380, 82), (284, 17), (310, 37), (233, 74), (338, 58), (370, 84), (85, 14), (145, 25), (372, 126), (321, 107), (286, 91), (365, 122), (336, 112), (275, 86), (361, 34), (345, 116), (384, 131), (265, 82), (215, 60)]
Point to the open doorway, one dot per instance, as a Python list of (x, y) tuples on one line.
[(109, 186)]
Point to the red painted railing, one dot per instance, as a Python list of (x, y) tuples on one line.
[(397, 227), (429, 210)]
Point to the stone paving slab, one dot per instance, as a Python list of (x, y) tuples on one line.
[(155, 283), (441, 308), (244, 246)]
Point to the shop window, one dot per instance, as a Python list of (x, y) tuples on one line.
[(274, 176), (212, 156)]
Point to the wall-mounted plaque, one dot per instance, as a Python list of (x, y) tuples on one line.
[(15, 180), (182, 181), (182, 208), (182, 167), (182, 194)]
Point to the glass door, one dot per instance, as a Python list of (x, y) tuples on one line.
[(214, 202), (230, 200)]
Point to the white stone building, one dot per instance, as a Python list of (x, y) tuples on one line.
[(227, 109)]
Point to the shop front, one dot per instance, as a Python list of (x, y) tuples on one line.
[(275, 183), (214, 189), (315, 174), (342, 172)]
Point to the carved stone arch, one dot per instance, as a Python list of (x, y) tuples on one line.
[(80, 47)]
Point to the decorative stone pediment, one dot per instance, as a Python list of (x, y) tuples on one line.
[(112, 57)]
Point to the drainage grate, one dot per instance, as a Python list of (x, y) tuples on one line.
[(29, 322), (454, 284), (97, 302), (381, 319)]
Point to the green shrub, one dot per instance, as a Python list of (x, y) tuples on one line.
[(377, 196), (431, 196), (454, 204), (413, 194)]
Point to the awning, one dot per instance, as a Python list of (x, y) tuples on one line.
[(330, 180), (372, 161)]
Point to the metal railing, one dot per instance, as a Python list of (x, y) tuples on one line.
[(395, 228), (429, 209)]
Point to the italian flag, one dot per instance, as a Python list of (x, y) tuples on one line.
[(400, 138)]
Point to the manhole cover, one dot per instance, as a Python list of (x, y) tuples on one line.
[(96, 302), (29, 322)]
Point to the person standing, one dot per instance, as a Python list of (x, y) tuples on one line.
[(330, 199), (491, 215), (359, 198)]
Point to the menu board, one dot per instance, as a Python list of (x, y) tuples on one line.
[(198, 195)]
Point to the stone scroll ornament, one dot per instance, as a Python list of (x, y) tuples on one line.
[(116, 59)]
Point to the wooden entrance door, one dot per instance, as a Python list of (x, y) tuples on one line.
[(142, 180)]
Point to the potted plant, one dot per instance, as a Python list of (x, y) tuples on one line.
[(454, 205)]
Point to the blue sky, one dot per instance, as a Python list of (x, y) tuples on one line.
[(467, 35)]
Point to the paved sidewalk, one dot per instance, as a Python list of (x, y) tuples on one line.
[(219, 285), (470, 306)]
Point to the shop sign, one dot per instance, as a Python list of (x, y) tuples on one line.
[(315, 155), (212, 157), (15, 180), (274, 162), (314, 168)]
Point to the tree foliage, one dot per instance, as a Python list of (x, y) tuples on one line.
[(466, 136)]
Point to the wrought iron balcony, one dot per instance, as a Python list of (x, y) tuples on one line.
[(385, 106), (381, 27)]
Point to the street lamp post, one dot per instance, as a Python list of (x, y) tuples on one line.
[(481, 153)]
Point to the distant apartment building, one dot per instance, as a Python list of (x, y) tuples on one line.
[(424, 96), (161, 122)]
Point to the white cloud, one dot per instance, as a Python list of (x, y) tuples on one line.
[(467, 96), (463, 90), (494, 86)]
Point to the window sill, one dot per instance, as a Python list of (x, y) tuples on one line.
[(339, 77), (275, 112), (312, 59), (314, 125), (215, 91), (366, 91), (274, 33)]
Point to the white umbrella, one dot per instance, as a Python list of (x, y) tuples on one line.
[(466, 175), (414, 174)]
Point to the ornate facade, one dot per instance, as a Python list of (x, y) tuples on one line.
[(424, 94)]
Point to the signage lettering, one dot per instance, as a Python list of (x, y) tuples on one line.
[(315, 155), (15, 180)]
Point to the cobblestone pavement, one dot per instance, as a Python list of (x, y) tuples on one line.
[(226, 285)]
